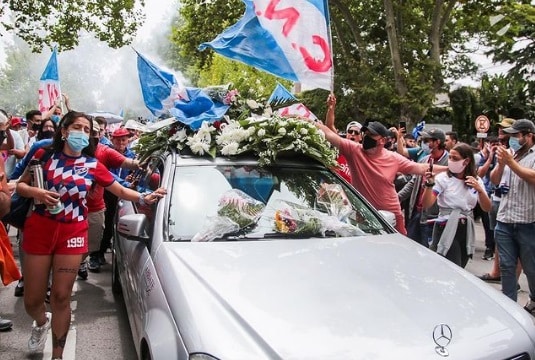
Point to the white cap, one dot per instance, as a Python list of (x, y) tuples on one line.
[(131, 124), (353, 124)]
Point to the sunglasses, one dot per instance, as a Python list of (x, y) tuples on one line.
[(353, 132)]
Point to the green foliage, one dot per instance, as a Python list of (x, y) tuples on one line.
[(18, 82), (45, 23), (512, 37), (506, 95), (465, 108), (250, 82)]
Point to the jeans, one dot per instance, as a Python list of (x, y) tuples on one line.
[(417, 231), (515, 241)]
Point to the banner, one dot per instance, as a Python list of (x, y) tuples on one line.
[(287, 38), (49, 89)]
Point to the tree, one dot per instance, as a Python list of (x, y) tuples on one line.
[(45, 23), (93, 76), (512, 38)]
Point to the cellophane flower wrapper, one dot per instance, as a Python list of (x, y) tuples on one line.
[(291, 218), (236, 210), (333, 199), (216, 227)]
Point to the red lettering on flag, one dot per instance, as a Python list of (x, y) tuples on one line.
[(317, 65), (290, 14)]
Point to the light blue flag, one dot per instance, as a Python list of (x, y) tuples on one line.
[(200, 107), (281, 94), (156, 85), (49, 88), (163, 95), (418, 129), (291, 42)]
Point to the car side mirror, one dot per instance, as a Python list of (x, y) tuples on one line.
[(133, 227), (389, 217)]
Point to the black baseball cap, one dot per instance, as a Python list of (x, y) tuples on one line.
[(376, 128), (434, 133), (521, 125)]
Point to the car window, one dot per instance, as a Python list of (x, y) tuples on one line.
[(211, 203)]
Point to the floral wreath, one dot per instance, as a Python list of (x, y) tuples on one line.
[(253, 128)]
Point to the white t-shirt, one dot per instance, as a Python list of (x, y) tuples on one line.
[(453, 193), (10, 160)]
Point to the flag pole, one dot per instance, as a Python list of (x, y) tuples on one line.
[(329, 32), (61, 104)]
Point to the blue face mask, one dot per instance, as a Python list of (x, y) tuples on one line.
[(77, 140), (55, 118), (514, 144), (426, 149)]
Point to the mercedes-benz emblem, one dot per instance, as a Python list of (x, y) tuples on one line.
[(442, 336)]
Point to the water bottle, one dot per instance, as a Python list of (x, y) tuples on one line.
[(37, 173), (38, 181)]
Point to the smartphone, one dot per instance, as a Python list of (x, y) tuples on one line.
[(403, 125), (431, 162)]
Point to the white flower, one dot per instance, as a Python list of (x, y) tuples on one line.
[(261, 133), (252, 104), (230, 149), (303, 131), (179, 136), (282, 131), (198, 147)]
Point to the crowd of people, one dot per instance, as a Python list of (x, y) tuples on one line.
[(450, 184), (434, 184), (83, 173)]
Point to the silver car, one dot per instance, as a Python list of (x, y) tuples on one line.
[(289, 262)]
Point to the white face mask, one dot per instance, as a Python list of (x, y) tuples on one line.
[(456, 167)]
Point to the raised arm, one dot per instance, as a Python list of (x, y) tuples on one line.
[(329, 118)]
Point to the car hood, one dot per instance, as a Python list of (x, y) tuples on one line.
[(366, 297)]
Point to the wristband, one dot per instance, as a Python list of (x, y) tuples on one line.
[(429, 184), (141, 200)]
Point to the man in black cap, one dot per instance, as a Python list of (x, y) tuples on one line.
[(515, 224), (373, 168), (434, 148)]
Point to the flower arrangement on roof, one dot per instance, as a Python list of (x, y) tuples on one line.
[(248, 127)]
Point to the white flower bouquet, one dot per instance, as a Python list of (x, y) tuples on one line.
[(236, 211)]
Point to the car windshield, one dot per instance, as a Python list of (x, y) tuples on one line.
[(237, 202)]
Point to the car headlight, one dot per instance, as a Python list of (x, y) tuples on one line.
[(201, 356)]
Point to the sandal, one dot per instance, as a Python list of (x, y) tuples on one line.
[(489, 278)]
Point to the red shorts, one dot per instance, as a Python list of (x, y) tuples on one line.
[(45, 236)]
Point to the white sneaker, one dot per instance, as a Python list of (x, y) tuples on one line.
[(38, 339)]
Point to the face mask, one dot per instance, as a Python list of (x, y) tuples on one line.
[(388, 144), (77, 140), (55, 118), (456, 167), (47, 134), (514, 144), (368, 142), (35, 127), (426, 149)]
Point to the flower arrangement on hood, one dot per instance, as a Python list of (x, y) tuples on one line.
[(262, 133)]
